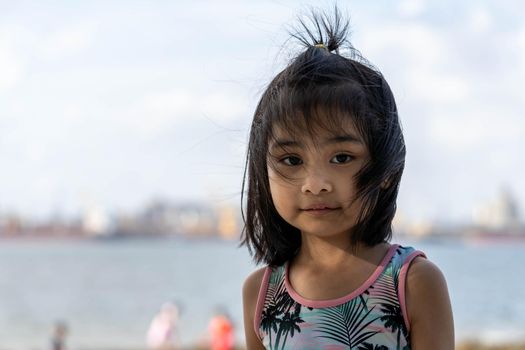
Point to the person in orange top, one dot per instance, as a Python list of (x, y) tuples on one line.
[(221, 332)]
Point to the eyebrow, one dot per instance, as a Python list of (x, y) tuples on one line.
[(332, 140)]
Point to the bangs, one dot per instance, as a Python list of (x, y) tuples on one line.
[(309, 110)]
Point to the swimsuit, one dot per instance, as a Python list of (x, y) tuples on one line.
[(372, 317)]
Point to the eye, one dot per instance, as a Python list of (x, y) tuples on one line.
[(292, 161), (341, 159)]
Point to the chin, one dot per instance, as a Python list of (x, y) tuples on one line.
[(323, 231)]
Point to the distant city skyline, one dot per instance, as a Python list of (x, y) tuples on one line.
[(115, 104)]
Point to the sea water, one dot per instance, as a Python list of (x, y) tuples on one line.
[(108, 291)]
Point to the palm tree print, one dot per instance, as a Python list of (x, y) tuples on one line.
[(278, 316), (270, 313), (288, 325), (394, 321), (346, 323), (270, 321)]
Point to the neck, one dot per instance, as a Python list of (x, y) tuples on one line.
[(335, 252), (327, 251)]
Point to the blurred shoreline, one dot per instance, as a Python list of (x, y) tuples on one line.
[(462, 345), (467, 345), (473, 345)]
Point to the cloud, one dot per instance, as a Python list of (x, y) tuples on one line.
[(520, 39), (411, 8), (10, 63), (20, 45), (417, 44), (418, 51), (479, 20), (224, 106), (477, 130), (454, 133), (158, 111), (431, 86), (68, 41)]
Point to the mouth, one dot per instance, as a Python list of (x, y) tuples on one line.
[(319, 209)]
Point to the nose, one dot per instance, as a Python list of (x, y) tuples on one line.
[(316, 183)]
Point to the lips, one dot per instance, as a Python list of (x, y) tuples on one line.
[(319, 209)]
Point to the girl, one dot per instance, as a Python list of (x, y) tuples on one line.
[(324, 162)]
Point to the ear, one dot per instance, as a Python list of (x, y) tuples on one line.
[(385, 184)]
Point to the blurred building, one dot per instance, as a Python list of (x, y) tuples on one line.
[(10, 225), (229, 223), (500, 214), (97, 222), (163, 217), (402, 226)]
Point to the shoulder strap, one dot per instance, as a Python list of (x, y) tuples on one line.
[(406, 258), (261, 299)]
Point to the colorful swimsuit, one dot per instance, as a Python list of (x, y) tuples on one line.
[(372, 317)]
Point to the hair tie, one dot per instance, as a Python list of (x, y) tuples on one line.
[(321, 46)]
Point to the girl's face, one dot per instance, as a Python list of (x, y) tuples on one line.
[(312, 179)]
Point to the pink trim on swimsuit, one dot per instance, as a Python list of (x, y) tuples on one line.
[(402, 285), (334, 302), (260, 300)]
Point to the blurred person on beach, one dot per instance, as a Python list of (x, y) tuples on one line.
[(325, 157), (221, 331), (58, 339), (162, 333)]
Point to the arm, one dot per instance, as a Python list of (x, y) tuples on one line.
[(428, 307), (250, 292)]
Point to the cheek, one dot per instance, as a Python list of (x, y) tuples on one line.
[(277, 182), (355, 205), (274, 186), (282, 192), (277, 191), (347, 192)]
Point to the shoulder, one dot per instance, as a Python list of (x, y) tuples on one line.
[(423, 271), (428, 306), (252, 284), (250, 295), (424, 282)]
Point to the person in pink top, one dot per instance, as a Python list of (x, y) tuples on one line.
[(162, 332)]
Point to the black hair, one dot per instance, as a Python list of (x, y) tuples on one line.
[(327, 81)]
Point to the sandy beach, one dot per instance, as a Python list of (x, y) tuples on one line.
[(479, 346), (472, 345), (463, 346)]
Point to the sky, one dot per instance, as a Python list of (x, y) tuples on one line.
[(119, 103)]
